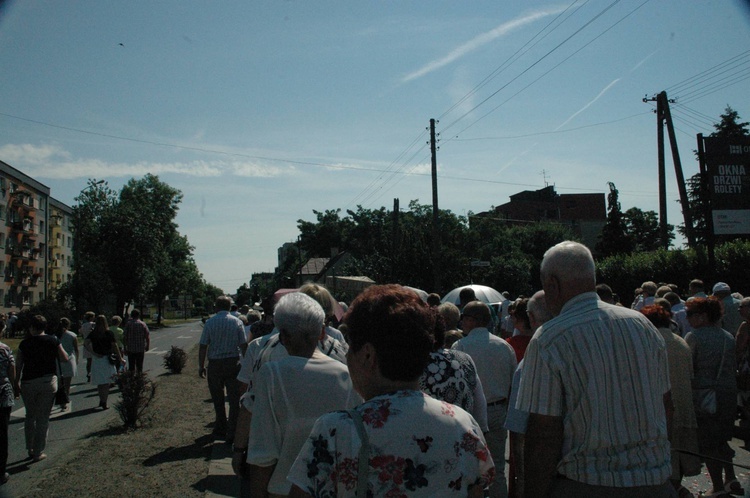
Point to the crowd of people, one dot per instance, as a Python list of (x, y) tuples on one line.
[(404, 397), (45, 363), (394, 395)]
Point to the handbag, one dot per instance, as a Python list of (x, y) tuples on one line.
[(113, 359), (704, 399)]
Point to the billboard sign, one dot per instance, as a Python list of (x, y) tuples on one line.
[(728, 167)]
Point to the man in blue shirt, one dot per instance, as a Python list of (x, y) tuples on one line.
[(222, 342)]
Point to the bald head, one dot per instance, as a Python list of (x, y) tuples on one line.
[(567, 270), (475, 314), (537, 310)]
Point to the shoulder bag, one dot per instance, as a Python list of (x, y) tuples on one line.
[(704, 400)]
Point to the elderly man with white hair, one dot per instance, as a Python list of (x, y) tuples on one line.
[(290, 394), (596, 386)]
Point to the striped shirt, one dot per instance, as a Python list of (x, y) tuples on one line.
[(603, 369), (223, 334), (134, 336)]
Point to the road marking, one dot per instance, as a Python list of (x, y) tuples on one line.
[(156, 351)]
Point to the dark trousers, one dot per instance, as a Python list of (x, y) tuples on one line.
[(222, 376), (135, 361), (567, 488), (4, 422)]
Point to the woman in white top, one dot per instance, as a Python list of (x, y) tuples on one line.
[(68, 369)]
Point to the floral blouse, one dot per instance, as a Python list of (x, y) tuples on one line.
[(452, 376), (6, 389), (419, 447)]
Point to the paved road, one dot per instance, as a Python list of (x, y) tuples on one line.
[(83, 417)]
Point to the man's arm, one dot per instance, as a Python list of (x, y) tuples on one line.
[(259, 478), (148, 337), (241, 437), (202, 359), (542, 452)]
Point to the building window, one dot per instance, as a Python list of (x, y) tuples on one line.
[(70, 241), (2, 239), (2, 212)]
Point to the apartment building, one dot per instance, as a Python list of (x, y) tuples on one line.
[(60, 254), (34, 231)]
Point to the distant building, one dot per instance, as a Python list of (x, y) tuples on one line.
[(23, 221), (60, 255), (585, 214), (36, 241)]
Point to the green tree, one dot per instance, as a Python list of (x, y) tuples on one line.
[(730, 126), (143, 230), (642, 227), (127, 246), (614, 239), (174, 272), (90, 283)]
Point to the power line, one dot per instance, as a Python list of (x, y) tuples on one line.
[(554, 132), (513, 58), (552, 68), (554, 49), (697, 77)]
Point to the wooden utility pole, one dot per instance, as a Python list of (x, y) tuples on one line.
[(395, 239), (664, 115), (435, 213)]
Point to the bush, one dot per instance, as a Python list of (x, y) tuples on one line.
[(137, 391), (175, 360)]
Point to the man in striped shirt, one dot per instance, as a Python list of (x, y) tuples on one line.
[(596, 385), (222, 342)]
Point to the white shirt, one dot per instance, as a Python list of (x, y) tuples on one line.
[(290, 396), (269, 348), (495, 361), (603, 369)]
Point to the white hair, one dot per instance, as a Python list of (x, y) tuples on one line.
[(569, 261), (537, 306), (299, 315)]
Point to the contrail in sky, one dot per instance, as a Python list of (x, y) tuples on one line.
[(479, 41), (606, 88)]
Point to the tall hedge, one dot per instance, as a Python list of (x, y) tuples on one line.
[(625, 273)]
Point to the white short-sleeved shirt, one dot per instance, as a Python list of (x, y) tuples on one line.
[(269, 348), (495, 361), (603, 369), (291, 394)]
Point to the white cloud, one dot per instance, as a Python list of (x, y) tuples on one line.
[(579, 111), (51, 161), (479, 41)]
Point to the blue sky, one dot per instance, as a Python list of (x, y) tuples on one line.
[(261, 112)]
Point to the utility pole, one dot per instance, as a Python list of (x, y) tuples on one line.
[(395, 239), (664, 115), (435, 212)]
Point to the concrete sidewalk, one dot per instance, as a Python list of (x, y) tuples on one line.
[(221, 480)]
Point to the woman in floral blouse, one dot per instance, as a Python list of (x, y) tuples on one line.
[(418, 446)]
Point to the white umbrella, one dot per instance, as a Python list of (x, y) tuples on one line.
[(421, 293), (483, 293)]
